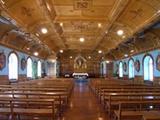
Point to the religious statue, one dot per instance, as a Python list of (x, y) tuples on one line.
[(158, 62), (80, 62), (23, 63), (2, 61)]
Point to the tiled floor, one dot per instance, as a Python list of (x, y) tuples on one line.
[(83, 105)]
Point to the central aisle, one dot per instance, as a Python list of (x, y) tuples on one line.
[(83, 105)]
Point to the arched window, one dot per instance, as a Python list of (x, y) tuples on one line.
[(104, 69), (39, 68), (120, 69), (101, 69), (131, 68), (29, 67), (13, 66), (148, 68)]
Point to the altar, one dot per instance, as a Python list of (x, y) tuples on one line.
[(80, 75)]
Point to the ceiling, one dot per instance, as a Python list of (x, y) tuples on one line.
[(97, 21)]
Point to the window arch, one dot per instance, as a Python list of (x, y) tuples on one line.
[(13, 66), (101, 69), (148, 68), (29, 67), (120, 69), (131, 68), (34, 69), (39, 68)]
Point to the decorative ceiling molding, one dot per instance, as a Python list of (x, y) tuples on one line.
[(66, 21), (82, 4)]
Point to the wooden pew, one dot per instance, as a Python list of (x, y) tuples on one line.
[(154, 115), (60, 91), (137, 109), (111, 93), (61, 98), (29, 107), (102, 95), (113, 100)]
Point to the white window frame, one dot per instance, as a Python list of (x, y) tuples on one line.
[(131, 69), (29, 68), (120, 69), (39, 69), (13, 66), (148, 68)]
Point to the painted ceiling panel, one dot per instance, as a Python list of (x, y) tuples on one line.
[(66, 21)]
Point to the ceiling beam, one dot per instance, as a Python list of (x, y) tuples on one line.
[(79, 34), (116, 11), (79, 18)]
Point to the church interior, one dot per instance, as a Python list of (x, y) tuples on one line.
[(79, 59)]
